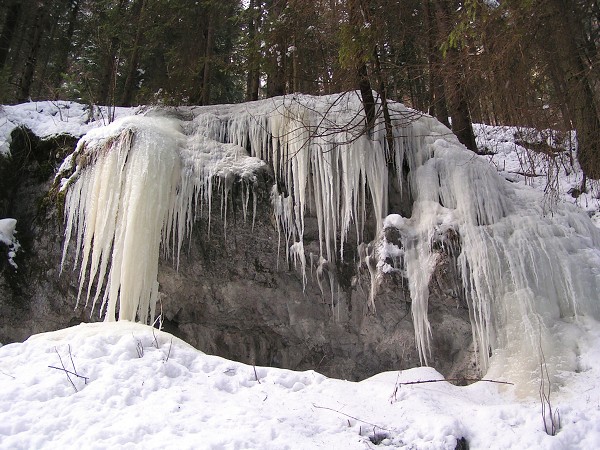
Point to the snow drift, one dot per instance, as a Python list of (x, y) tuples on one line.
[(528, 275), (144, 388)]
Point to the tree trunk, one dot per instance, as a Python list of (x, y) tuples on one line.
[(106, 91), (567, 56), (208, 53), (253, 76), (277, 72), (453, 81), (138, 14), (63, 61), (34, 47), (438, 106), (362, 74), (389, 132), (8, 31), (366, 94)]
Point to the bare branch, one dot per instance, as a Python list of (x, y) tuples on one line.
[(69, 372), (352, 417), (473, 380)]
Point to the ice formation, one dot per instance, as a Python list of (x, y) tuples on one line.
[(527, 276)]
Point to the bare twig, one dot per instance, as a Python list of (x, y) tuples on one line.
[(256, 375), (139, 347), (393, 397), (155, 340), (72, 363), (352, 417), (474, 380), (69, 372), (64, 369), (158, 319), (169, 353), (4, 373), (550, 418)]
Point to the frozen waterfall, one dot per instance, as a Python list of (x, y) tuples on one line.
[(135, 185)]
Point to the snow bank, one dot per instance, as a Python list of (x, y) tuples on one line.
[(144, 388)]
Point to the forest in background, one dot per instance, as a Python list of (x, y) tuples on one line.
[(530, 63)]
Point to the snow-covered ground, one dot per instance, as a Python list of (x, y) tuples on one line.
[(146, 389)]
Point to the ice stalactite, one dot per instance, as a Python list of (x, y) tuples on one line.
[(117, 203), (137, 185), (527, 276)]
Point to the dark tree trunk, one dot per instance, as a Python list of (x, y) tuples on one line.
[(36, 34), (253, 76), (389, 132), (63, 61), (362, 74), (138, 14), (438, 107), (366, 94), (106, 90), (208, 54), (277, 73), (453, 81), (8, 31), (567, 56)]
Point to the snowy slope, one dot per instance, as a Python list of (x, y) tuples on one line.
[(153, 391)]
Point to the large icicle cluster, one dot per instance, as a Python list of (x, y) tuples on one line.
[(527, 275), (136, 185)]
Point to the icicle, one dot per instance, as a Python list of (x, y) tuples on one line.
[(122, 213), (297, 254)]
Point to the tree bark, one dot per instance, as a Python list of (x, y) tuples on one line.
[(106, 90), (8, 31), (138, 14), (453, 81), (438, 106), (566, 57), (253, 76), (208, 53), (63, 61), (362, 73), (37, 32), (276, 76)]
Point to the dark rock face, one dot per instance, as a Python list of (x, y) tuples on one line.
[(235, 295), (34, 298)]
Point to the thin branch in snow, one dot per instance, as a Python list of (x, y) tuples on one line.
[(64, 369), (352, 417), (169, 353), (155, 340), (8, 375), (256, 375), (69, 372), (473, 380)]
